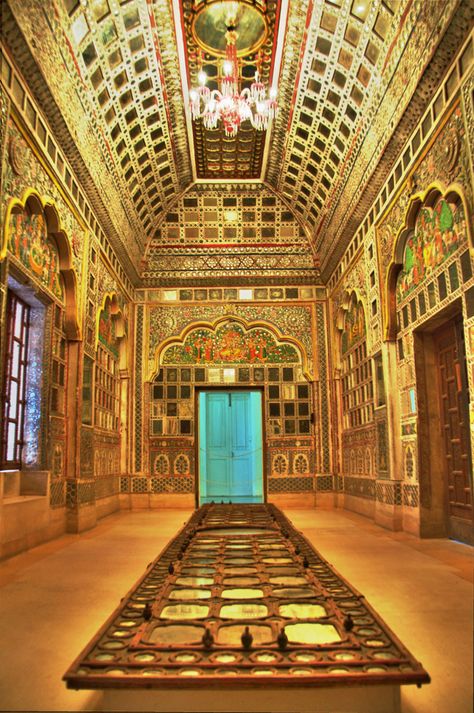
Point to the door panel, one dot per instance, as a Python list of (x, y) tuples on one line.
[(454, 413), (217, 444), (241, 445), (230, 437)]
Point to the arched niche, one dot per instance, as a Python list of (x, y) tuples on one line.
[(246, 346), (351, 322), (439, 203), (111, 328), (33, 204)]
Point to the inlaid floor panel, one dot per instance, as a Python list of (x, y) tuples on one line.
[(239, 596)]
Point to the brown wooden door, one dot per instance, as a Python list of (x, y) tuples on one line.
[(453, 392)]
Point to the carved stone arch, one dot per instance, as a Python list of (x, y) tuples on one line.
[(428, 198), (221, 321), (32, 203), (110, 301)]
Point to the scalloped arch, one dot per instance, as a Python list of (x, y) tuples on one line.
[(179, 340), (453, 194), (31, 200), (111, 298), (349, 296), (345, 304)]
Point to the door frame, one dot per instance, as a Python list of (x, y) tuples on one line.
[(432, 474), (223, 387)]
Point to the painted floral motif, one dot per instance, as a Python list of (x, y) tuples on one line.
[(354, 326), (439, 231), (230, 344), (29, 242)]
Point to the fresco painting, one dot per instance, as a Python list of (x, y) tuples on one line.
[(30, 243), (230, 344), (107, 330), (354, 326), (439, 231)]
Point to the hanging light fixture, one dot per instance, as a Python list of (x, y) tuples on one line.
[(227, 104)]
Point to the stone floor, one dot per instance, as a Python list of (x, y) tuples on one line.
[(56, 596)]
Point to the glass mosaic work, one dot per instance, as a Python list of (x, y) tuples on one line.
[(237, 594), (357, 384), (107, 330), (287, 403), (107, 385), (354, 326)]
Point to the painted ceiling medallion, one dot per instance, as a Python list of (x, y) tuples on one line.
[(211, 22)]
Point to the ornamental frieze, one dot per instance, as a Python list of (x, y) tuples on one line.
[(293, 321)]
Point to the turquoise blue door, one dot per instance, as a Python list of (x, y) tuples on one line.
[(230, 446)]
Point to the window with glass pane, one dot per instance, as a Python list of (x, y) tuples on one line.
[(58, 363), (17, 324), (107, 385), (357, 387)]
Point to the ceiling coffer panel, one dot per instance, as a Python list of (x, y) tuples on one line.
[(113, 79), (121, 52), (205, 25)]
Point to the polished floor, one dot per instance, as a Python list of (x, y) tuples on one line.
[(56, 596)]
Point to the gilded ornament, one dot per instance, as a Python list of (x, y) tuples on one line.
[(17, 153), (451, 149)]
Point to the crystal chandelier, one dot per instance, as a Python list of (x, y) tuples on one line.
[(227, 104)]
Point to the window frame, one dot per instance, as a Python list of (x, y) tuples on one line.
[(14, 302)]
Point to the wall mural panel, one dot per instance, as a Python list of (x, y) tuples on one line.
[(439, 232), (165, 322), (23, 171), (447, 162), (107, 332), (354, 326), (221, 345), (29, 242), (230, 344)]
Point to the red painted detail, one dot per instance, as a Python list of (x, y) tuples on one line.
[(219, 246), (394, 41)]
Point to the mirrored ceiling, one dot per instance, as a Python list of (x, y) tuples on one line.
[(349, 76)]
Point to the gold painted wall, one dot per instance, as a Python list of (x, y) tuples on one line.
[(52, 258), (413, 271), (272, 338)]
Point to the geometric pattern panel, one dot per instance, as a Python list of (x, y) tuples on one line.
[(211, 233), (358, 66)]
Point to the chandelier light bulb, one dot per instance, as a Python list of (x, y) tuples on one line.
[(228, 68), (202, 78)]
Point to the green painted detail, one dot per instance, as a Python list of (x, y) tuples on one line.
[(354, 326), (438, 233), (107, 331), (29, 242)]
